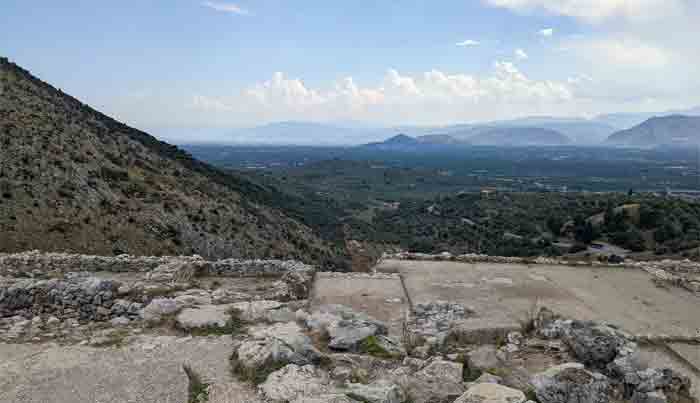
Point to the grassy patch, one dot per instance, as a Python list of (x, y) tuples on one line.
[(531, 395), (198, 390), (469, 372), (372, 347)]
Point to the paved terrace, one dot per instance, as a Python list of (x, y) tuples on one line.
[(502, 294)]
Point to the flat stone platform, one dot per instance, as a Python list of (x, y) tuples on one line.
[(149, 370), (625, 297), (380, 296)]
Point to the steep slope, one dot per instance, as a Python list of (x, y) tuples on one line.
[(519, 136), (74, 179), (675, 130)]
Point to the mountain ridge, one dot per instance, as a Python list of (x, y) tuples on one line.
[(74, 179), (673, 130)]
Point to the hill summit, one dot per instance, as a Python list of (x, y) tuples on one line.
[(673, 130), (74, 179)]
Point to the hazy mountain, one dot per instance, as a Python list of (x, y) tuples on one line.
[(305, 133), (441, 139), (628, 120), (675, 130), (400, 142), (519, 136), (74, 179)]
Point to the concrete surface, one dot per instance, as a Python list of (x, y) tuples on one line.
[(625, 297), (504, 294), (148, 370), (382, 298)]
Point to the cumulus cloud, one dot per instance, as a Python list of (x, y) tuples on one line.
[(226, 7), (468, 42), (521, 55), (546, 32), (430, 97)]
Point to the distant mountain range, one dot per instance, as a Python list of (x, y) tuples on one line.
[(519, 136), (676, 130)]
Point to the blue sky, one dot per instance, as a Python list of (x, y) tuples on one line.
[(188, 64)]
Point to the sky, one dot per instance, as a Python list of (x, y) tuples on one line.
[(189, 64)]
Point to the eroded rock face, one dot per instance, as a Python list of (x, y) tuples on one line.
[(571, 383), (295, 382), (491, 393)]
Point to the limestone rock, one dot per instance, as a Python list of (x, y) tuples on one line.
[(202, 317), (276, 345), (592, 344), (438, 381), (159, 308), (294, 382), (264, 311), (377, 392), (491, 393), (346, 328), (571, 383), (484, 357)]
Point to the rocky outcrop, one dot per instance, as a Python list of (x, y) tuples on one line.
[(272, 347), (381, 391), (295, 382), (438, 381), (345, 328), (571, 383), (491, 393)]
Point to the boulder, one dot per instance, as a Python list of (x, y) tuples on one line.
[(203, 317), (438, 381), (273, 346), (295, 382), (264, 311), (381, 391), (484, 357), (158, 309), (571, 383), (491, 393), (594, 345), (345, 328)]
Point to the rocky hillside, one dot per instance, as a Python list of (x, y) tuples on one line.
[(73, 179), (675, 130)]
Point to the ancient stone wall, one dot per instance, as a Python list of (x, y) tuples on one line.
[(37, 264)]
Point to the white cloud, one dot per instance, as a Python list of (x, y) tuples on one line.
[(468, 42), (597, 10), (521, 55), (226, 7), (546, 32), (430, 97)]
